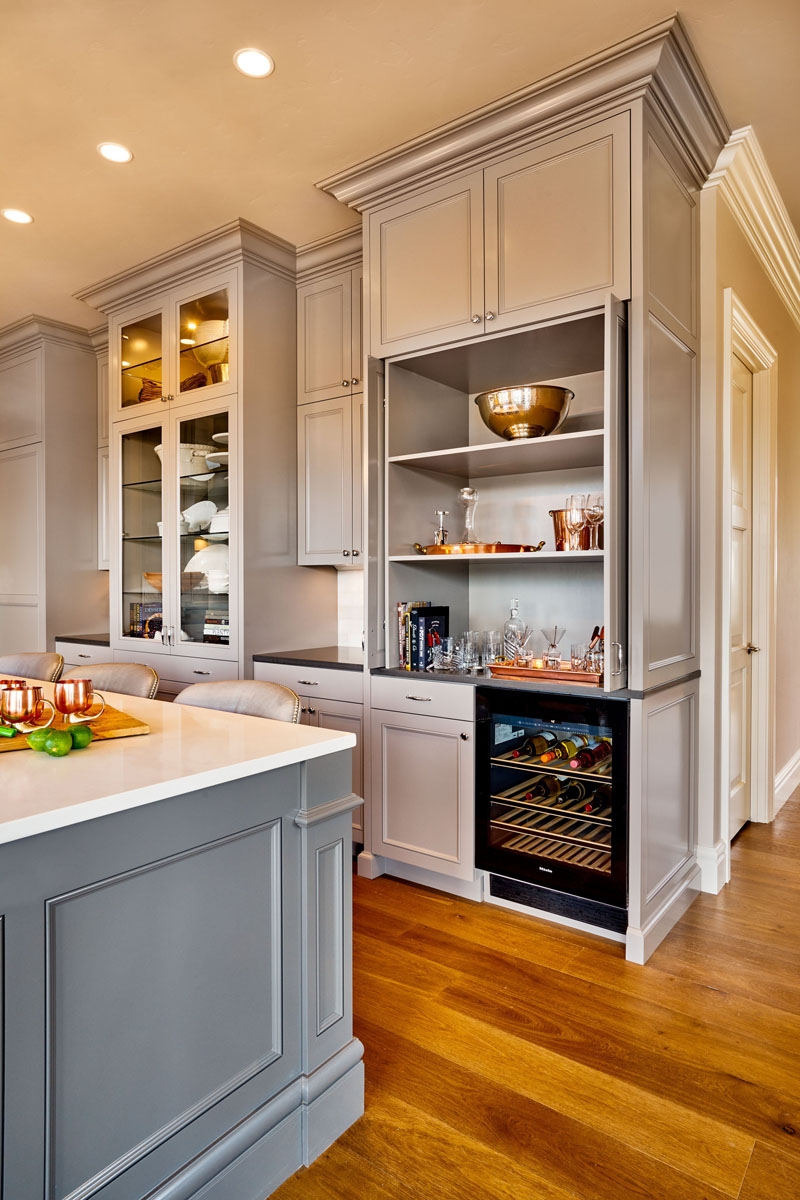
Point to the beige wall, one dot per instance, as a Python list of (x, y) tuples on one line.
[(729, 262)]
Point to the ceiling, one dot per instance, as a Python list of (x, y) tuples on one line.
[(352, 78)]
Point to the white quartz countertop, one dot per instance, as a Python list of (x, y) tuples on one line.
[(187, 749)]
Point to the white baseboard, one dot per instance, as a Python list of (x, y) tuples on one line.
[(714, 863), (640, 943), (467, 889), (787, 780)]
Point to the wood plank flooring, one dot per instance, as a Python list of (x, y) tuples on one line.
[(510, 1059)]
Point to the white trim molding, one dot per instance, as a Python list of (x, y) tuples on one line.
[(787, 780), (32, 331), (714, 864), (328, 255), (745, 181), (658, 62)]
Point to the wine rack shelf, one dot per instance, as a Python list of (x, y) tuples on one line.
[(570, 853), (600, 772)]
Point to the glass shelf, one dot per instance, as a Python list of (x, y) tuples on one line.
[(132, 369), (143, 537), (147, 485)]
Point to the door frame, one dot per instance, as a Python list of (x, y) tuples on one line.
[(742, 337)]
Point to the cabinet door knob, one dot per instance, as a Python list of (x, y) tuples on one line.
[(490, 316), (751, 649), (165, 399), (308, 710), (464, 737), (346, 553), (354, 381), (345, 383), (356, 553), (476, 318)]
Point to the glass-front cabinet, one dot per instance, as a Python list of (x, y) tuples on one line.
[(174, 576), (177, 350)]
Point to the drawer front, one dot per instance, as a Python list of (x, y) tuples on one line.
[(182, 670), (314, 681), (80, 654), (417, 695)]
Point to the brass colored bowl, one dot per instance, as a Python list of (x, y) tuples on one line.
[(525, 411)]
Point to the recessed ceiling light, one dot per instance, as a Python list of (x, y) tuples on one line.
[(254, 63), (191, 325), (17, 215), (114, 152)]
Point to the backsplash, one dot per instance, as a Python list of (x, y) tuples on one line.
[(351, 607)]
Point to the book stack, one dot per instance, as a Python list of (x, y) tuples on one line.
[(140, 614), (420, 627)]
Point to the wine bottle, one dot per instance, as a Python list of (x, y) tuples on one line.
[(576, 789), (547, 788), (567, 748), (591, 755), (598, 799), (534, 745)]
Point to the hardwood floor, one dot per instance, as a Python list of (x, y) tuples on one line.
[(510, 1059)]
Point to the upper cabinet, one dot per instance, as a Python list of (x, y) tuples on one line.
[(329, 340), (504, 246), (176, 349)]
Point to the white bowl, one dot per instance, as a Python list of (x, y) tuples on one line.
[(191, 456), (199, 515)]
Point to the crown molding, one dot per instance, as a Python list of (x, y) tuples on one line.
[(743, 178), (238, 241), (34, 331), (337, 252), (659, 62)]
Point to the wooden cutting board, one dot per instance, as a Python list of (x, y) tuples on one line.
[(112, 724)]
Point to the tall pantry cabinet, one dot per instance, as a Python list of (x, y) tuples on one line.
[(502, 230), (48, 418), (202, 408)]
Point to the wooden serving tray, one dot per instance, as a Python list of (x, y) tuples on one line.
[(565, 673), (112, 724)]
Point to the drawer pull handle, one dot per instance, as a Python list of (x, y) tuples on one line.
[(421, 699), (308, 682), (201, 672), (84, 656)]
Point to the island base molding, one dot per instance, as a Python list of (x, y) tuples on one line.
[(255, 1157)]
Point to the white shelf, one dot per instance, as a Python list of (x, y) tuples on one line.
[(559, 452), (541, 556)]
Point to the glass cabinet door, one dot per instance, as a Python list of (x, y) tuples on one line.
[(204, 342), (142, 512), (204, 530), (141, 361)]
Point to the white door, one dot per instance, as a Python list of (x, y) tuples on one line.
[(741, 580)]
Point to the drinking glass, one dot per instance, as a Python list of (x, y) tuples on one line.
[(578, 655), (575, 518), (74, 698), (551, 659), (22, 706), (442, 655), (492, 646), (474, 642), (594, 517)]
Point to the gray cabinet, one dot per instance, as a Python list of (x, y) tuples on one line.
[(423, 789), (500, 247), (329, 440), (329, 340), (346, 717)]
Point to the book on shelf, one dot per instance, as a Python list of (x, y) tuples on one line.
[(420, 626), (404, 610)]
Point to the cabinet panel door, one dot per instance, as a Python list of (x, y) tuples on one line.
[(357, 328), (615, 488), (347, 718), (422, 772), (558, 224), (21, 400), (324, 338), (102, 400), (426, 273), (358, 476), (103, 503), (325, 491), (140, 367)]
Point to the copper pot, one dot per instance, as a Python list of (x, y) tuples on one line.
[(566, 540)]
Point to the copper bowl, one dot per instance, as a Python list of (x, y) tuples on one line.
[(527, 410)]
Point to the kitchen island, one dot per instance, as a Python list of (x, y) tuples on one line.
[(176, 953)]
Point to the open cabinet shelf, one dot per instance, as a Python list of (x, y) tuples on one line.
[(559, 452), (519, 559)]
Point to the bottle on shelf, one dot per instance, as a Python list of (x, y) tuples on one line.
[(546, 788), (514, 633), (565, 749), (576, 789), (591, 755), (599, 799), (535, 745)]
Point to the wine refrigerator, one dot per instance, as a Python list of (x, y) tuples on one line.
[(552, 802)]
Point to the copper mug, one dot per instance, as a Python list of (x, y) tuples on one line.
[(74, 698), (563, 538), (22, 707)]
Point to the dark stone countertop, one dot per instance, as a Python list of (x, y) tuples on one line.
[(340, 658), (88, 639)]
